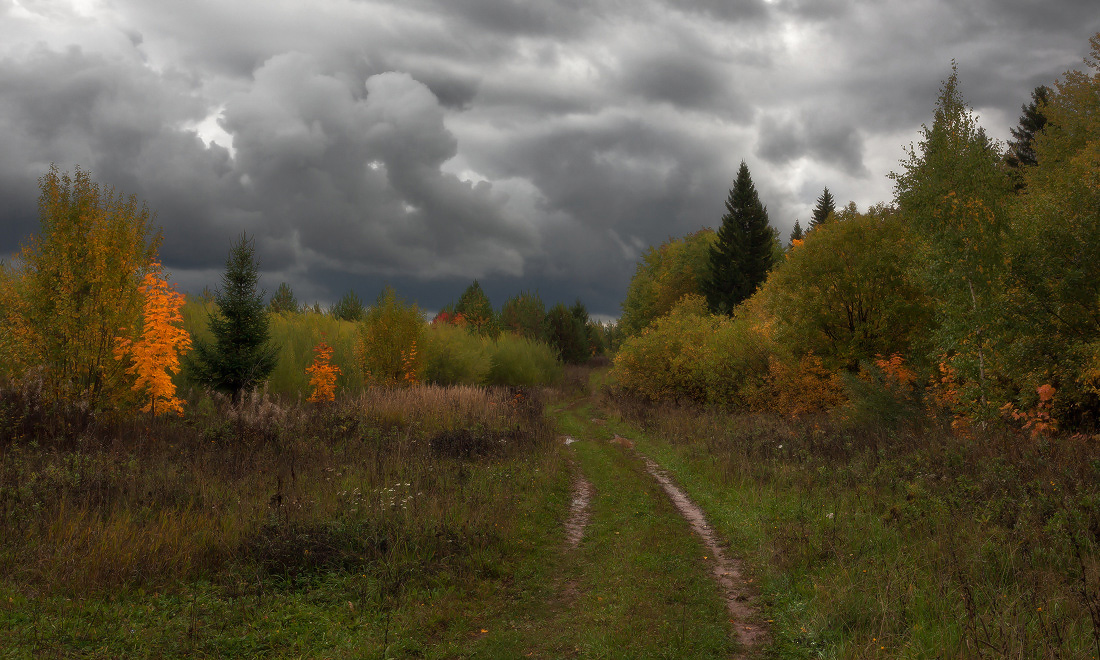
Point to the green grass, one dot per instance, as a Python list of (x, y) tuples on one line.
[(409, 523), (870, 543), (637, 586), (363, 529), (428, 522)]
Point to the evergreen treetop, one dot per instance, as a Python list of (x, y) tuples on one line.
[(475, 307), (826, 205), (240, 357), (349, 308), (797, 234), (1020, 150), (284, 300), (743, 253)]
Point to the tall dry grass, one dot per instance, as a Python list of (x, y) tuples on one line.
[(410, 477)]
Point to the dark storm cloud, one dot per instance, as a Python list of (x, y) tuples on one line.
[(682, 80), (114, 118), (832, 142), (535, 146)]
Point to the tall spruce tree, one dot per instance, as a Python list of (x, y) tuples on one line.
[(1020, 149), (825, 206), (240, 357), (743, 254)]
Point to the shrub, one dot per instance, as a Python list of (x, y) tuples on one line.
[(453, 356), (296, 335), (389, 340), (520, 361), (670, 358)]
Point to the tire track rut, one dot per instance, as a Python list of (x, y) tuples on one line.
[(726, 570)]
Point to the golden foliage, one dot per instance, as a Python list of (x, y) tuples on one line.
[(388, 337), (155, 355), (805, 387), (76, 286), (323, 374)]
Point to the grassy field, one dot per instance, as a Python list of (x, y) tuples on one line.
[(393, 523), (430, 522), (425, 522), (896, 542)]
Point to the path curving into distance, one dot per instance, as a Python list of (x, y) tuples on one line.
[(726, 570)]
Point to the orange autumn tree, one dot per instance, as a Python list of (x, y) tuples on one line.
[(323, 374), (73, 286), (155, 355)]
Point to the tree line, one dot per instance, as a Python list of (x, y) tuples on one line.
[(89, 321), (974, 291)]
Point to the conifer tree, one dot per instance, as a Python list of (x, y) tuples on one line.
[(825, 206), (797, 234), (742, 256), (240, 357), (283, 300), (475, 307), (1020, 149), (349, 307)]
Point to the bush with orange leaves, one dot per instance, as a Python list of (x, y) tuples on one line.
[(1038, 420), (886, 393), (801, 387), (322, 374)]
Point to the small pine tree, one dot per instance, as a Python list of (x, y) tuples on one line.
[(826, 206), (283, 300), (743, 254), (349, 308), (240, 357), (797, 234), (475, 307)]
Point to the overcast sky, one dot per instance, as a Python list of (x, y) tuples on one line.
[(535, 145)]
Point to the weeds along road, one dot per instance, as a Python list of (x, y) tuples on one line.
[(633, 578)]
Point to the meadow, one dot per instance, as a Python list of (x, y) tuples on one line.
[(895, 540), (429, 522), (383, 521)]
